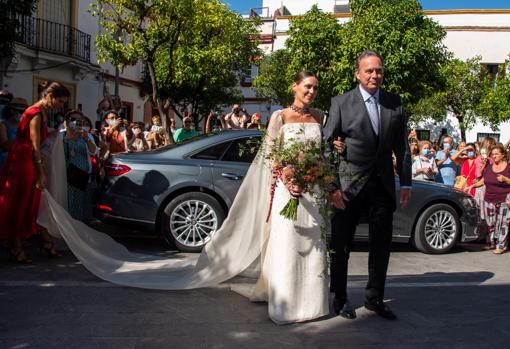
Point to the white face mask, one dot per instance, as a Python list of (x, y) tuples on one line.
[(72, 125), (136, 131), (86, 128), (111, 122)]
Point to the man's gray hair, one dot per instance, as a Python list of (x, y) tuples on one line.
[(367, 53)]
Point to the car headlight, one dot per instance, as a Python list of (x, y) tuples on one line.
[(468, 201)]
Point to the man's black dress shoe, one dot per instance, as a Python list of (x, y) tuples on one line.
[(344, 309), (381, 309)]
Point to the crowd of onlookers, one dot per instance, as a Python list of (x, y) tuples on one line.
[(87, 147), (27, 133), (478, 168)]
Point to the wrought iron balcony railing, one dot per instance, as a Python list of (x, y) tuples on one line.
[(53, 37)]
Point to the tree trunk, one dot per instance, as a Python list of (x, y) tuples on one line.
[(462, 128), (169, 139)]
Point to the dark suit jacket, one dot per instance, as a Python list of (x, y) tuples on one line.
[(365, 153)]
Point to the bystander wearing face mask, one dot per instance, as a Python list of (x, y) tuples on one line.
[(425, 152)]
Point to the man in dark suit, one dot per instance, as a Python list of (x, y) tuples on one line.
[(365, 125)]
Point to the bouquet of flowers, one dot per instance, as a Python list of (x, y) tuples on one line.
[(305, 165)]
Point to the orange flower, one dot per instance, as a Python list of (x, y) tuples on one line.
[(309, 178), (276, 164), (287, 174), (313, 171), (329, 179)]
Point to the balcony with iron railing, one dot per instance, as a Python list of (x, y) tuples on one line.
[(40, 34)]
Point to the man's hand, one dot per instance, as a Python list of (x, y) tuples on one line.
[(339, 145), (338, 199), (405, 195)]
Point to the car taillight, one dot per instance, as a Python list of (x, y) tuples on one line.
[(115, 170), (104, 208)]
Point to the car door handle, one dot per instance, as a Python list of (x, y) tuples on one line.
[(232, 176)]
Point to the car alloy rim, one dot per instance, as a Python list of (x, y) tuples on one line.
[(440, 229), (193, 223)]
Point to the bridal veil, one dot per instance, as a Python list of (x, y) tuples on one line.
[(237, 246)]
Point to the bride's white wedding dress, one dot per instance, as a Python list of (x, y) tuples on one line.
[(295, 261), (288, 257)]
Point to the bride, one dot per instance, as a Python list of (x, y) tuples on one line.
[(288, 257)]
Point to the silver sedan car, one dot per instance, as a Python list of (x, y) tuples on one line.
[(184, 193)]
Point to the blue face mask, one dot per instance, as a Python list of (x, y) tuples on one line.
[(446, 146), (424, 152), (470, 154)]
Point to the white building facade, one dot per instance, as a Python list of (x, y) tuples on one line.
[(57, 43), (484, 33)]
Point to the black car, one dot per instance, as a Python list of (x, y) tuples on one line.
[(184, 192)]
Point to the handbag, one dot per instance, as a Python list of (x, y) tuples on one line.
[(76, 176), (462, 181)]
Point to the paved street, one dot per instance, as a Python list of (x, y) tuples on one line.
[(459, 300)]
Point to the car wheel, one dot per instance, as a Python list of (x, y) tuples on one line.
[(191, 219), (437, 229)]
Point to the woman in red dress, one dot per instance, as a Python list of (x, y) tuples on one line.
[(22, 178), (468, 166)]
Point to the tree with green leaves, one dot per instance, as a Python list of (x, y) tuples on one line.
[(313, 44), (189, 47), (495, 103), (216, 46), (466, 83), (410, 43), (272, 80), (10, 12)]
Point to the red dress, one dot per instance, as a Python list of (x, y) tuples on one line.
[(470, 173), (19, 197)]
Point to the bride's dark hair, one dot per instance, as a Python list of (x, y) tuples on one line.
[(303, 75)]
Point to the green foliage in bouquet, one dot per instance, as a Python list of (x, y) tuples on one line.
[(304, 164)]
